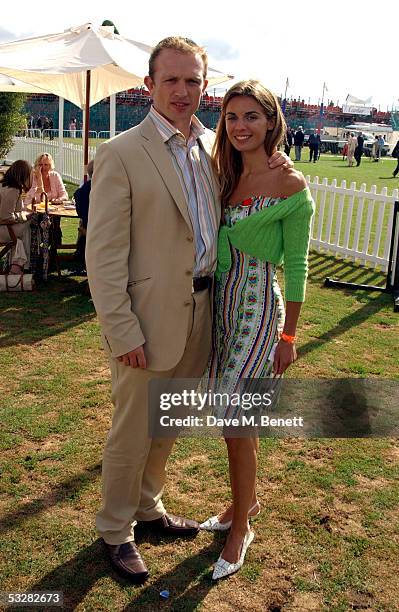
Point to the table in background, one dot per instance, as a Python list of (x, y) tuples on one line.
[(59, 211)]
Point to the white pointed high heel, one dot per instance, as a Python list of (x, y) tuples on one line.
[(223, 568), (213, 524)]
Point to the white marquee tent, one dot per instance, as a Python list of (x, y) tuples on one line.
[(84, 64), (14, 85)]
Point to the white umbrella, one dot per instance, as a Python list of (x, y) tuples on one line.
[(14, 85), (58, 63), (84, 64)]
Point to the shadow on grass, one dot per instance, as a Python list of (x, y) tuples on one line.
[(322, 265), (343, 167), (320, 270), (373, 306), (66, 489), (56, 306), (188, 583), (185, 582), (76, 577)]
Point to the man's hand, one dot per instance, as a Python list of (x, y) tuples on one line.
[(280, 159), (134, 359)]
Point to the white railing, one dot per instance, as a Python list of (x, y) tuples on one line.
[(68, 159), (349, 222), (352, 223)]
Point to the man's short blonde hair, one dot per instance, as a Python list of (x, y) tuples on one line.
[(181, 44)]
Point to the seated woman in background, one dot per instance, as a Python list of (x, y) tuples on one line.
[(45, 178), (17, 179)]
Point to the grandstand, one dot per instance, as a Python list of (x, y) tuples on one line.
[(133, 105)]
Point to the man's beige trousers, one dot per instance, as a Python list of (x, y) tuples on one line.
[(133, 471)]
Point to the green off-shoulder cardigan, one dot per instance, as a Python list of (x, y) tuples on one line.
[(278, 234)]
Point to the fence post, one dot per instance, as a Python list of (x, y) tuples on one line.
[(321, 209), (359, 217), (378, 230), (340, 211)]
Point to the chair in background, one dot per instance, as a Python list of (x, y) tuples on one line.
[(8, 244)]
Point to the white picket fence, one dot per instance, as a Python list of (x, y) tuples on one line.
[(68, 158), (352, 223)]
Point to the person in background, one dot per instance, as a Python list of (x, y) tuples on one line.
[(299, 137), (51, 128), (45, 127), (82, 200), (314, 145), (31, 125), (288, 141), (380, 146), (17, 179), (395, 155), (359, 149), (352, 142), (374, 148), (46, 179), (72, 128)]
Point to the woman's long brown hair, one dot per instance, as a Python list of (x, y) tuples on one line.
[(19, 176), (227, 160)]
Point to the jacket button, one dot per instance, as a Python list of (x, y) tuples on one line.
[(190, 239), (189, 272), (187, 303)]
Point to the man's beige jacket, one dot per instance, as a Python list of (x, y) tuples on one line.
[(140, 246)]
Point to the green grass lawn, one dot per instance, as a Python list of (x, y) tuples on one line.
[(333, 167), (328, 533)]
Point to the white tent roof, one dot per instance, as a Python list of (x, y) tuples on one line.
[(57, 63), (9, 84)]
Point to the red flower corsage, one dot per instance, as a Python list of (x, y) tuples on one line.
[(247, 202)]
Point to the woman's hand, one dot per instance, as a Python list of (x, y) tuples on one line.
[(39, 179), (285, 355)]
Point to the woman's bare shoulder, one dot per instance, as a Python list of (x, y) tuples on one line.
[(292, 181)]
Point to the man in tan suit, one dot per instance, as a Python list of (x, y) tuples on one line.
[(151, 253)]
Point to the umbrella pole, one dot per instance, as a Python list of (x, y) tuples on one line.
[(112, 115), (61, 164), (86, 122)]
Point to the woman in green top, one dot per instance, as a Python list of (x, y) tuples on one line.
[(267, 217)]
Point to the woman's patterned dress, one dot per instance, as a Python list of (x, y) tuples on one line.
[(249, 311)]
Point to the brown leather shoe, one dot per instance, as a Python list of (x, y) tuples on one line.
[(169, 524), (126, 560)]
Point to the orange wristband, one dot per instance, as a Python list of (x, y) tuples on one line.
[(287, 338)]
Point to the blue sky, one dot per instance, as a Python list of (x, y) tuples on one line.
[(349, 45)]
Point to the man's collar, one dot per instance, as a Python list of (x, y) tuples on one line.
[(167, 130)]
